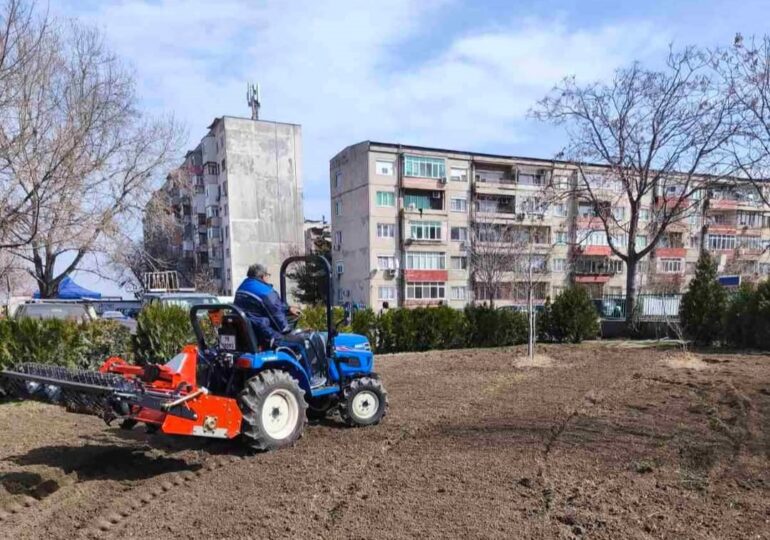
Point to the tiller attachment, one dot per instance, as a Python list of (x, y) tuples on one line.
[(162, 396)]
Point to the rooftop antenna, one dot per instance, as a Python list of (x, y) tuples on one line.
[(253, 99)]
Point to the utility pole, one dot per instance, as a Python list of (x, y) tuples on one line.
[(253, 99)]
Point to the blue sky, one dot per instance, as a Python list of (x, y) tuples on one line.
[(440, 73)]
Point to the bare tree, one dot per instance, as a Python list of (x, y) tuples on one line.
[(659, 138), (745, 71), (492, 253), (21, 40), (83, 151)]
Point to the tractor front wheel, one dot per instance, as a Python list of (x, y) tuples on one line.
[(273, 407), (364, 402)]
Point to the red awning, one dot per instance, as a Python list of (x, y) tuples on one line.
[(603, 251), (676, 253), (426, 275), (592, 279)]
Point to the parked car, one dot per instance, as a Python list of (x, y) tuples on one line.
[(182, 299), (119, 317), (71, 311)]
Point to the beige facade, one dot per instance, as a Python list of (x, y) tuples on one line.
[(238, 199), (403, 217)]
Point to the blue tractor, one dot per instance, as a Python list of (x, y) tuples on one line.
[(283, 383)]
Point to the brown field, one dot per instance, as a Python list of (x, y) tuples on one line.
[(590, 441)]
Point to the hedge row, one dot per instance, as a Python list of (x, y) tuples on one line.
[(163, 330), (64, 343), (709, 314)]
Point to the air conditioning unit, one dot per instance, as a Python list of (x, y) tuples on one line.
[(463, 246), (391, 272), (442, 180), (412, 206), (436, 195)]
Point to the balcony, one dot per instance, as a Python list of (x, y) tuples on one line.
[(426, 275), (435, 184), (597, 266), (671, 252), (503, 205), (422, 201), (495, 176)]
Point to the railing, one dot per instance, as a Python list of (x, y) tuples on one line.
[(648, 306)]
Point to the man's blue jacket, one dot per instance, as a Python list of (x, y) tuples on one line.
[(255, 297)]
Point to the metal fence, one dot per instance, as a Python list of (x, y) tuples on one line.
[(648, 306)]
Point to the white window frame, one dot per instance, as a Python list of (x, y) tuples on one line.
[(337, 179), (462, 234), (392, 199), (390, 262), (337, 208), (462, 260), (412, 287), (381, 165), (457, 174), (338, 238), (670, 266), (558, 265), (390, 295), (426, 227), (389, 228), (425, 260), (462, 207), (340, 268), (721, 242), (561, 234), (458, 292)]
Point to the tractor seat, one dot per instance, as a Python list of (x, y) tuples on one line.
[(234, 334)]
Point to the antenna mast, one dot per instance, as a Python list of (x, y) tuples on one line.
[(253, 99)]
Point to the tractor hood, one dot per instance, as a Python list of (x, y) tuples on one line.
[(347, 342)]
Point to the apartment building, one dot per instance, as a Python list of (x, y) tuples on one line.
[(404, 217), (237, 198)]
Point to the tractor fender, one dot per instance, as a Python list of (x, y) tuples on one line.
[(275, 360)]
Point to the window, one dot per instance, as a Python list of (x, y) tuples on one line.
[(227, 252), (338, 238), (421, 260), (721, 241), (384, 168), (458, 204), (641, 241), (386, 262), (224, 165), (458, 263), (561, 237), (224, 188), (619, 213), (764, 269), (386, 293), (386, 230), (229, 275), (212, 168), (227, 231), (560, 210), (558, 265), (340, 268), (427, 290), (749, 219), (459, 234), (751, 242), (337, 179), (423, 200), (425, 230), (386, 199), (337, 208), (458, 175), (670, 266), (616, 291), (424, 167), (457, 293), (644, 214)]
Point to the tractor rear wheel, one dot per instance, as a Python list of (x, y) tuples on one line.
[(273, 407), (364, 402)]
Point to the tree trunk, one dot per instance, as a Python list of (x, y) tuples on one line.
[(631, 268)]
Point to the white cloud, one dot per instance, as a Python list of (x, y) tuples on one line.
[(345, 70)]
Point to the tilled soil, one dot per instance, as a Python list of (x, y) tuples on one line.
[(598, 442)]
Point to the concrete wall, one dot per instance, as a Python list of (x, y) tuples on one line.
[(264, 218)]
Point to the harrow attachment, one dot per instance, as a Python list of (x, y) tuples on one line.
[(165, 397), (80, 391)]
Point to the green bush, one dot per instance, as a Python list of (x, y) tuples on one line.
[(702, 310), (761, 315), (364, 322), (104, 339), (314, 318), (572, 317), (490, 327), (739, 318), (161, 333)]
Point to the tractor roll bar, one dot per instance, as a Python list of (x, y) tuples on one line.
[(328, 269)]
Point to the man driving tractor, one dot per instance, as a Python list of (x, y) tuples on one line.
[(269, 316)]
